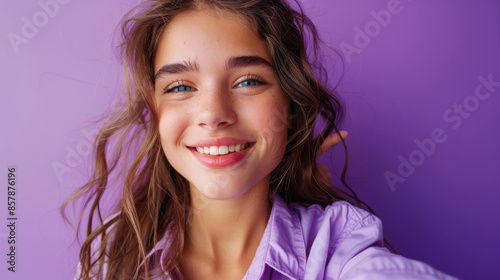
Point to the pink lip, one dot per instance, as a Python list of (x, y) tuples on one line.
[(220, 160), (224, 141)]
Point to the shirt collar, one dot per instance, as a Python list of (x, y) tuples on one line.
[(282, 246)]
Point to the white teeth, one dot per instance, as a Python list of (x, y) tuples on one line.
[(221, 150), (214, 150)]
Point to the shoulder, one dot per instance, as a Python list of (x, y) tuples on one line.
[(336, 223), (345, 242)]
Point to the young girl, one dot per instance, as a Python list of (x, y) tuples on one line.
[(223, 98)]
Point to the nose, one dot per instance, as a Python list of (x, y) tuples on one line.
[(215, 109)]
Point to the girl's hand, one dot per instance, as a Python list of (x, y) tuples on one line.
[(329, 142)]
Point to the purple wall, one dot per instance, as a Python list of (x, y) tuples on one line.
[(419, 113)]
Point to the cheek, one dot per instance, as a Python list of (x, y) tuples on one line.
[(275, 118), (172, 122), (270, 117)]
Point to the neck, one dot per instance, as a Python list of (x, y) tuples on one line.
[(228, 231)]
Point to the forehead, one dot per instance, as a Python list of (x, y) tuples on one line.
[(206, 36)]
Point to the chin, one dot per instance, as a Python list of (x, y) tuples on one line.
[(222, 187), (218, 190)]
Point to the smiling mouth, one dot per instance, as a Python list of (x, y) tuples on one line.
[(222, 150)]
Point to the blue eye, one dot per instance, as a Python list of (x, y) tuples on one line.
[(180, 88), (251, 82), (248, 83)]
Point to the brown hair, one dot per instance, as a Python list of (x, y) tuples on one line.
[(155, 198)]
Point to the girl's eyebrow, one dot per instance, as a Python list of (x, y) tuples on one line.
[(233, 62), (174, 68), (250, 60)]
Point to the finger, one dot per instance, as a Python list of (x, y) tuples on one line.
[(332, 140)]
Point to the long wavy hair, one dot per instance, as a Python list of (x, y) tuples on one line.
[(154, 197)]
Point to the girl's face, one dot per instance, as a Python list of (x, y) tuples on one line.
[(222, 112)]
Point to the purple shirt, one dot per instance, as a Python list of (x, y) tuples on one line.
[(339, 241)]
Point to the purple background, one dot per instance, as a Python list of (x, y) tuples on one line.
[(397, 87)]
